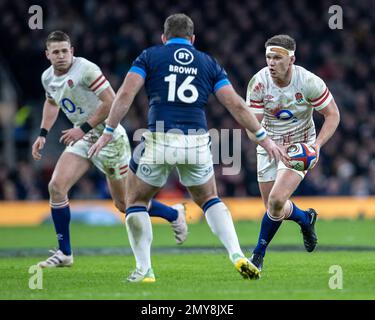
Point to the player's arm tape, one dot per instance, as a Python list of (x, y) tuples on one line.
[(108, 130), (85, 127), (260, 134), (43, 132)]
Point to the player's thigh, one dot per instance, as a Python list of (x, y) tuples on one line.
[(117, 188), (202, 193), (113, 159), (197, 168), (69, 169), (285, 184), (266, 168), (195, 174), (265, 190), (266, 175), (138, 192), (148, 162)]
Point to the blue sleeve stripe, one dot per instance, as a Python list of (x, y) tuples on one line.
[(220, 84), (138, 70)]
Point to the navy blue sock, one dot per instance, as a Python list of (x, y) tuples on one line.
[(299, 216), (267, 230), (61, 219), (158, 209)]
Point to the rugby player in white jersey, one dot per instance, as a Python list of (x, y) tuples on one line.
[(79, 88), (179, 79), (283, 96)]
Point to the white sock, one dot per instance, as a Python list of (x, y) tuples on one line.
[(138, 225), (220, 221)]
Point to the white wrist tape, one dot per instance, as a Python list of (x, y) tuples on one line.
[(260, 135), (108, 130)]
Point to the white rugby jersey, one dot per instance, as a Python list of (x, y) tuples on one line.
[(76, 92), (288, 111)]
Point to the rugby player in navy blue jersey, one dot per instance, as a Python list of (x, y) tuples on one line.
[(178, 80)]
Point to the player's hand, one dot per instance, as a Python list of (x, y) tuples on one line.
[(317, 150), (37, 146), (274, 151), (71, 136), (287, 160), (100, 144)]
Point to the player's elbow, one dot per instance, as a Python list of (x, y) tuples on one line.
[(233, 104), (125, 96), (239, 109), (108, 102), (334, 117), (337, 115), (106, 107), (333, 112), (111, 99)]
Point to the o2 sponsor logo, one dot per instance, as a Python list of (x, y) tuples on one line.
[(285, 115), (183, 56), (69, 106)]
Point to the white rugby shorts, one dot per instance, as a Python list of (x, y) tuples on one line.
[(112, 160), (267, 169), (159, 153)]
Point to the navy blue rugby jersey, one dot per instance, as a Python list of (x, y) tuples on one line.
[(178, 82)]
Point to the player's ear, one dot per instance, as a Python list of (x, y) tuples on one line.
[(192, 39), (163, 38), (72, 50), (47, 54), (292, 60)]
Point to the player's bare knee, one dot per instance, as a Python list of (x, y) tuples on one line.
[(275, 203), (202, 194), (120, 205), (56, 190), (200, 197)]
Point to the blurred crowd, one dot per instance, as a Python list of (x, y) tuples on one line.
[(112, 33)]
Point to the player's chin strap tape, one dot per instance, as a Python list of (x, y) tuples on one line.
[(261, 134), (43, 132), (85, 127)]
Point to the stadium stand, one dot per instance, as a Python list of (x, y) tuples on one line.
[(112, 33)]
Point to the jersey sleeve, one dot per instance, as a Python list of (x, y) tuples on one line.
[(317, 93), (46, 90), (220, 77), (94, 79), (255, 94), (139, 65)]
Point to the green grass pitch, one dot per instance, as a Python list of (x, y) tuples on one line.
[(197, 270)]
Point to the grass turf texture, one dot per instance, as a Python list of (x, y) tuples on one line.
[(194, 276)]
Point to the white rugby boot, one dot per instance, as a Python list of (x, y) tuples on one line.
[(58, 259)]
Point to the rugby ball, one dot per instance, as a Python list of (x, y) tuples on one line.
[(303, 156)]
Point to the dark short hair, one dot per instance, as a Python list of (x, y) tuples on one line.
[(57, 36), (282, 40), (178, 25)]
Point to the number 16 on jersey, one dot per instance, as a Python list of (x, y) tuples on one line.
[(185, 87)]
